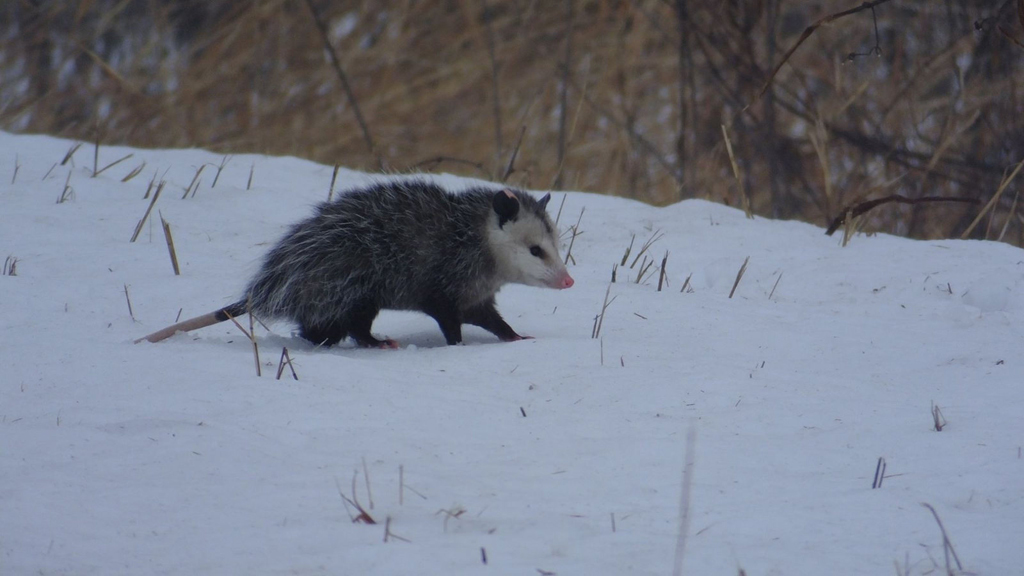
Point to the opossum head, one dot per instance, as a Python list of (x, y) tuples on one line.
[(524, 242)]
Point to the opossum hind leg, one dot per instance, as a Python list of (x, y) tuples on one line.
[(360, 320), (328, 335)]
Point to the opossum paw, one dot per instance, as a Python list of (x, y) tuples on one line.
[(518, 337), (388, 344)]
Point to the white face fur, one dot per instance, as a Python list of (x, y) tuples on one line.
[(526, 253)]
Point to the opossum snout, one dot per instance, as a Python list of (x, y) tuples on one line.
[(562, 282)]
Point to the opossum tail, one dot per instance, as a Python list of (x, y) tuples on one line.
[(231, 311)]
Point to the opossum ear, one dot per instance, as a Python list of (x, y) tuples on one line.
[(506, 206), (543, 202)]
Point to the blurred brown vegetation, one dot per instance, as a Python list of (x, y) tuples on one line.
[(618, 97)]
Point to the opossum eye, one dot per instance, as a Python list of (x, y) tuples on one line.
[(536, 251)]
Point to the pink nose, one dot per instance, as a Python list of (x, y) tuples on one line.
[(567, 281)]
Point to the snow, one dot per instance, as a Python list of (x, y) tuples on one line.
[(176, 458)]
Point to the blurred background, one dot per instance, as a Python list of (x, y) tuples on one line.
[(919, 98)]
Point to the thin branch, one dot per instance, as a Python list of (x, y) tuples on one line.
[(810, 30), (336, 63), (563, 96), (851, 212), (488, 17)]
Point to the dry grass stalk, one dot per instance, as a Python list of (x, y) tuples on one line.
[(170, 245), (366, 477), (111, 165), (251, 335), (851, 227), (1009, 216), (10, 266), (363, 516), (819, 139), (937, 418), (248, 184), (655, 236), (17, 166), (599, 319), (642, 272), (135, 172), (149, 187), (995, 198), (286, 360), (575, 232), (625, 255), (149, 209), (70, 153), (220, 168), (744, 199), (449, 513), (684, 500), (389, 534), (662, 279), (96, 152), (774, 286), (68, 192), (879, 474), (686, 284), (49, 171), (947, 545), (560, 206), (334, 178), (194, 182), (129, 300), (739, 276)]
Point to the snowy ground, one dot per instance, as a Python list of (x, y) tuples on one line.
[(563, 454)]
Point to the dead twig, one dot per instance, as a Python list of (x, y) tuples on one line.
[(810, 30), (488, 17), (515, 152), (854, 211), (336, 63)]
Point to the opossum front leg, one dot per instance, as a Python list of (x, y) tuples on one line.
[(487, 317), (446, 313)]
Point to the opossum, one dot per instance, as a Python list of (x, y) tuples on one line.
[(401, 246)]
